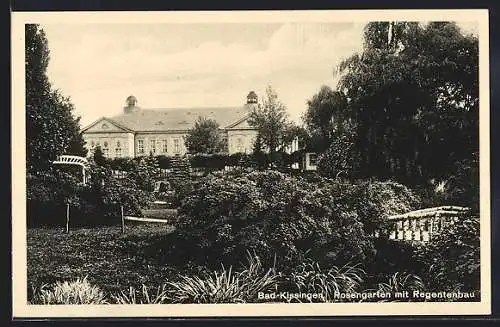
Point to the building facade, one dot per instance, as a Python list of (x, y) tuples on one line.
[(138, 132)]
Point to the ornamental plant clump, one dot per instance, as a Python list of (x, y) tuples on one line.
[(79, 291), (225, 285), (399, 282), (143, 296), (310, 277)]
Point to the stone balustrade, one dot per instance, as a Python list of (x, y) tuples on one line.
[(421, 225)]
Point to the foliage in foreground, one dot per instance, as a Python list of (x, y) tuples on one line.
[(225, 286), (129, 267), (143, 296), (79, 291), (399, 282), (310, 277)]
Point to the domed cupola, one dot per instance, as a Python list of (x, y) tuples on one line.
[(131, 105), (252, 101), (252, 97)]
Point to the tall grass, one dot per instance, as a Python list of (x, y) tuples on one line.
[(402, 282), (143, 296), (399, 282), (226, 285), (309, 277), (79, 291)]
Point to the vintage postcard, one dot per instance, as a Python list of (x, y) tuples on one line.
[(250, 163)]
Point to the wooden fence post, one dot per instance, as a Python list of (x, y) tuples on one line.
[(123, 219), (67, 217)]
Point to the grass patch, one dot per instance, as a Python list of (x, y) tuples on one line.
[(113, 261)]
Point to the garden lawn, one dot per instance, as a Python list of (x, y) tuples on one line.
[(111, 260)]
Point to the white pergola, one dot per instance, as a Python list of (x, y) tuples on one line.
[(73, 160)]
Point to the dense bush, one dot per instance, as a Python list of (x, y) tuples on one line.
[(391, 257), (272, 214), (107, 193), (146, 173), (47, 196), (375, 201), (97, 202), (453, 257)]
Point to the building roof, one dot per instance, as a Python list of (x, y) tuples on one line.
[(146, 120)]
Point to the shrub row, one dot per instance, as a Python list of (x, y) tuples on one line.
[(215, 161)]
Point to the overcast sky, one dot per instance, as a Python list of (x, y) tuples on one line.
[(194, 65)]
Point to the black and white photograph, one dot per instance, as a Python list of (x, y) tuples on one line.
[(251, 163)]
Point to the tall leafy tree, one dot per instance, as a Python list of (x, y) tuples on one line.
[(331, 133), (51, 128), (325, 118), (272, 123), (413, 98), (205, 137)]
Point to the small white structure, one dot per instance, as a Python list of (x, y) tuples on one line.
[(73, 160), (310, 161)]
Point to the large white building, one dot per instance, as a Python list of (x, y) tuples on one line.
[(137, 132)]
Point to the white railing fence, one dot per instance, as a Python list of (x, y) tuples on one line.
[(421, 225)]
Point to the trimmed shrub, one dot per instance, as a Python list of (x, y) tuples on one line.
[(75, 292), (211, 161), (164, 162)]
